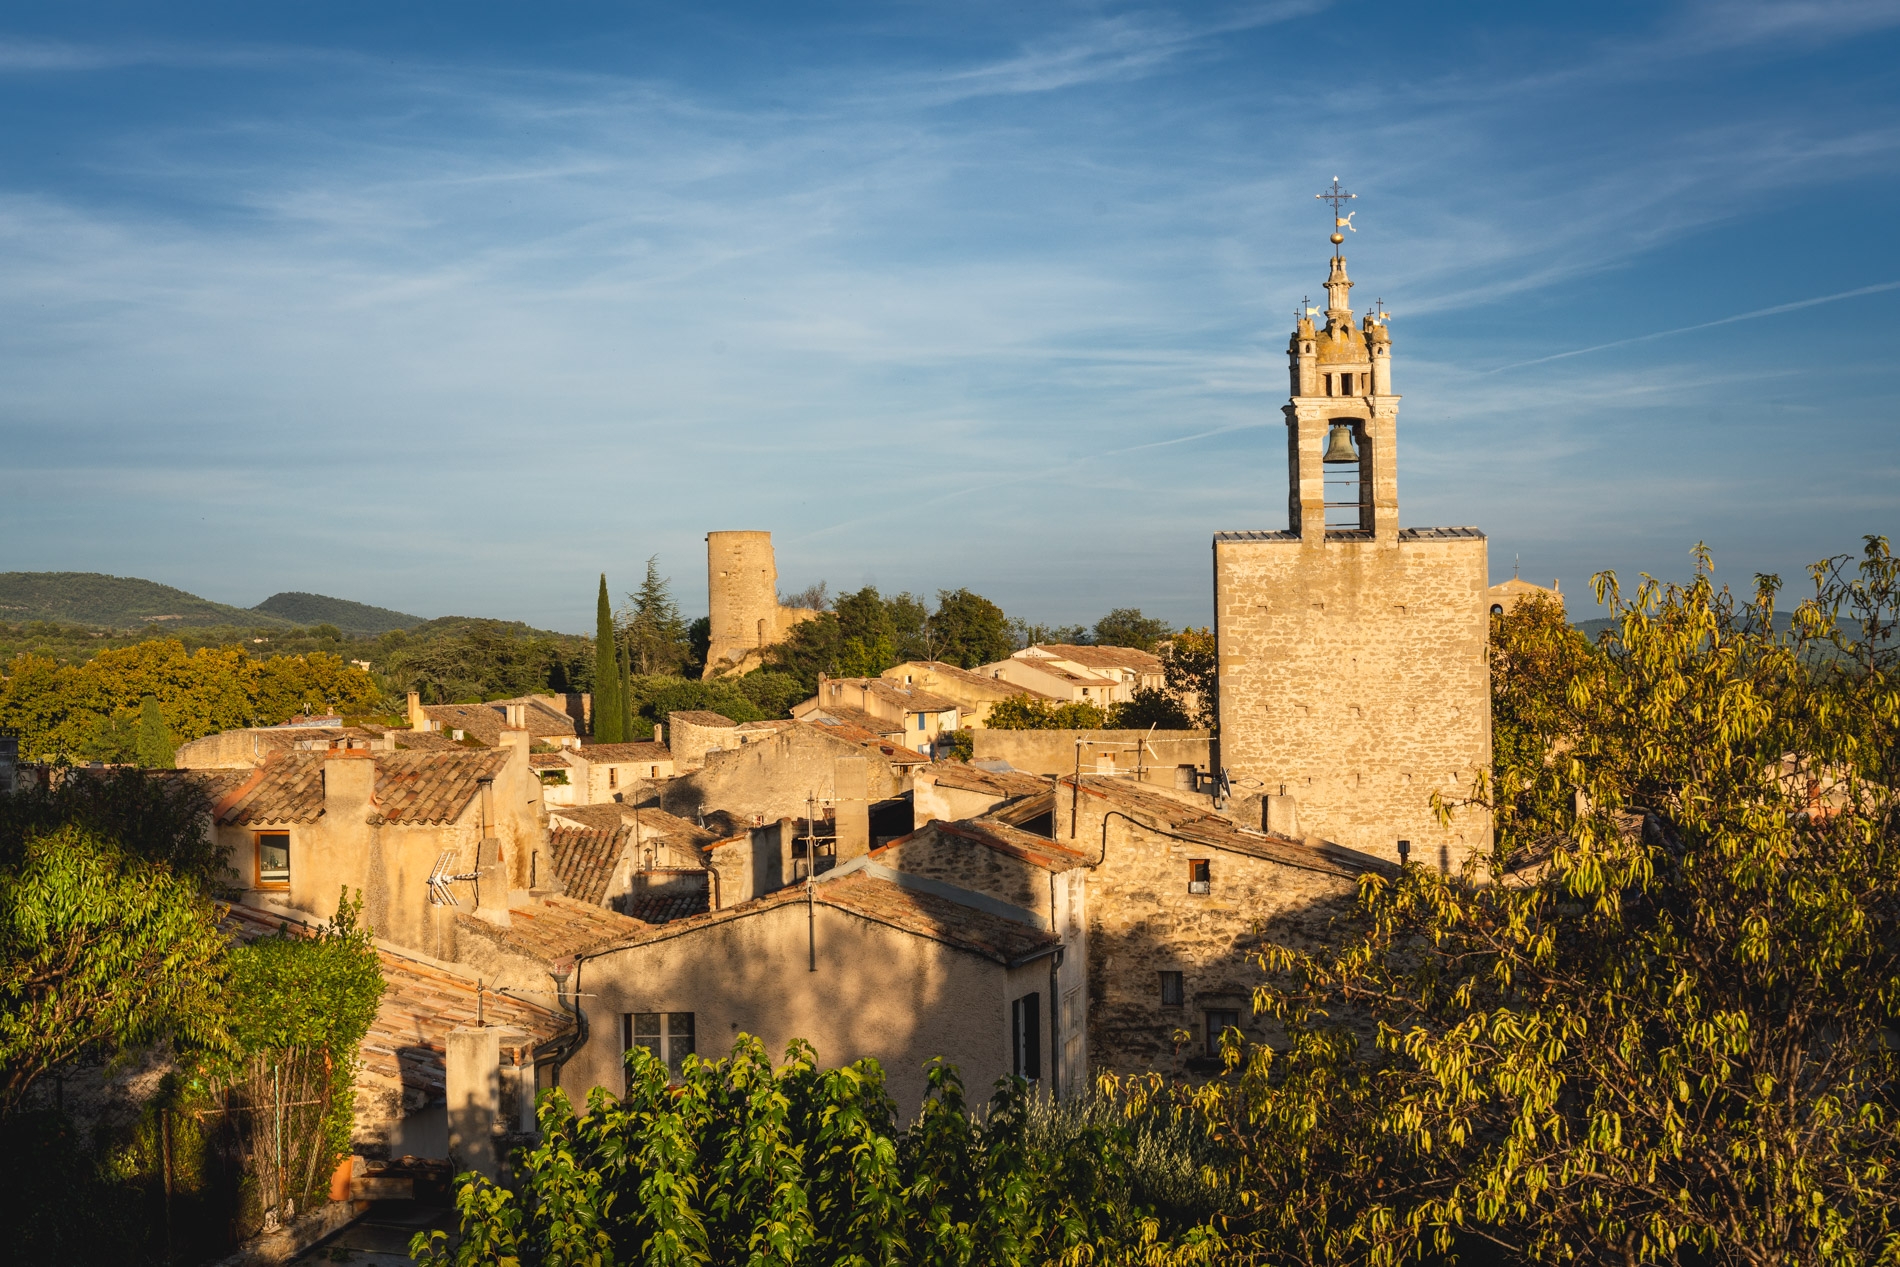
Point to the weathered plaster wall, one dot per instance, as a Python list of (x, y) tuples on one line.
[(898, 998)]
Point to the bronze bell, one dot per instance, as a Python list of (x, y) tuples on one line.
[(1339, 445)]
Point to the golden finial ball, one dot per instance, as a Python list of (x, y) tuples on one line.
[(1338, 238)]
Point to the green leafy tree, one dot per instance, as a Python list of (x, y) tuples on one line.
[(1190, 668), (967, 629), (740, 1162), (657, 639), (154, 741), (910, 621), (812, 647), (609, 707), (1022, 634), (1656, 1024), (1127, 627), (100, 953), (157, 819), (867, 634), (91, 711), (1149, 707), (1033, 712), (307, 1002)]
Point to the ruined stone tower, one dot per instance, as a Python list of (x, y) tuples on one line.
[(742, 601), (1353, 676)]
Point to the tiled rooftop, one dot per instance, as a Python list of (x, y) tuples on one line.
[(702, 717), (880, 901), (964, 677), (1038, 851), (908, 697), (856, 717), (485, 721), (666, 906), (585, 858), (1095, 657), (956, 774), (896, 753), (1204, 827), (555, 929), (411, 787), (623, 753)]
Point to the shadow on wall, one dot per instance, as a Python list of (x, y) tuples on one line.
[(1151, 978)]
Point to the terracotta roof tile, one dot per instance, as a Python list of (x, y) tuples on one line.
[(969, 778), (1099, 657), (411, 787), (585, 858), (895, 753), (666, 906), (555, 929), (426, 741), (1203, 827), (923, 914), (851, 717), (701, 717), (982, 682), (609, 753), (485, 721)]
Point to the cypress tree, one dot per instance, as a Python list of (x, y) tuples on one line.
[(608, 705), (154, 743)]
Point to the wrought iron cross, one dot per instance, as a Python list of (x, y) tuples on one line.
[(1337, 196)]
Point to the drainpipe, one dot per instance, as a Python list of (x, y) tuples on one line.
[(567, 1049)]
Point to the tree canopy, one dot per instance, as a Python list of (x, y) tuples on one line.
[(91, 711), (657, 639), (1657, 1023)]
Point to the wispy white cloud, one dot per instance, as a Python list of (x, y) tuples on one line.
[(639, 308)]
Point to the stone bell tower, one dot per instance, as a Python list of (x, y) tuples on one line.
[(1353, 675)]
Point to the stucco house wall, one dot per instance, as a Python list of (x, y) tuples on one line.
[(876, 991)]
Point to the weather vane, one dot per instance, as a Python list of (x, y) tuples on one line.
[(1338, 196)]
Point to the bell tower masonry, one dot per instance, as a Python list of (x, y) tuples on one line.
[(1354, 680)]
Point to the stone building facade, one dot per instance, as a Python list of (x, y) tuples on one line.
[(1353, 677), (1178, 900), (858, 966), (304, 826), (742, 602)]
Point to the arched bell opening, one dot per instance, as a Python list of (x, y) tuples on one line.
[(1347, 480)]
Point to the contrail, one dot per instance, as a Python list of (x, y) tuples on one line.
[(1706, 325)]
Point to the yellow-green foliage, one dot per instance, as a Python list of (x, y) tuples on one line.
[(90, 711), (1659, 1026)]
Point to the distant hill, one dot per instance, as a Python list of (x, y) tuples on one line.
[(320, 609), (116, 602)]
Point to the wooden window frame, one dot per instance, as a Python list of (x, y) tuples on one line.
[(257, 861), (1200, 876)]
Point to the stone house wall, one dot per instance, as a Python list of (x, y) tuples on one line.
[(879, 992), (1143, 921), (771, 778)]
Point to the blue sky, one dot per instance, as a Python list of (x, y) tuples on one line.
[(452, 307)]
